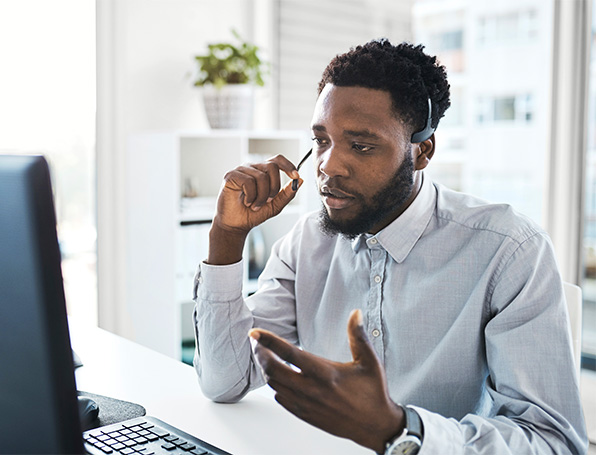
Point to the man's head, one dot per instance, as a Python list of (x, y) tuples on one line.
[(371, 101), (409, 75)]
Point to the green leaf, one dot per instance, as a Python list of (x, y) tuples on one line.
[(226, 63)]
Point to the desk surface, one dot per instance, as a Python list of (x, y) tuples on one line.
[(169, 390)]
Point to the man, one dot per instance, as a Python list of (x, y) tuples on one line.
[(459, 342)]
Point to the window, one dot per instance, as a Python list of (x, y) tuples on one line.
[(513, 27), (47, 88), (493, 141), (505, 109), (589, 240)]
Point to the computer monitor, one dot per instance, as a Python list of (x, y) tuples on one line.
[(38, 399)]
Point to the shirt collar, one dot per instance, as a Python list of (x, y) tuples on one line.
[(402, 234)]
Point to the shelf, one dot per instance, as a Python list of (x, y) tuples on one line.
[(168, 233)]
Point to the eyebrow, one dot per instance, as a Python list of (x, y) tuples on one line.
[(364, 133)]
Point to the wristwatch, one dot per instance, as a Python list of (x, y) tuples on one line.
[(410, 440)]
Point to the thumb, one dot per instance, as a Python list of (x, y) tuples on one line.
[(362, 351), (283, 198)]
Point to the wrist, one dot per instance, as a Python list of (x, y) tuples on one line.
[(409, 440), (225, 246), (395, 426)]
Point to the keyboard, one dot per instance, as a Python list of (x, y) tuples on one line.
[(145, 436)]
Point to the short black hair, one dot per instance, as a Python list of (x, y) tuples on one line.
[(403, 70)]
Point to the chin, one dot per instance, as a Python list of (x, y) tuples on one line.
[(349, 227)]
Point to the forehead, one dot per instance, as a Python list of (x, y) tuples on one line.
[(356, 108)]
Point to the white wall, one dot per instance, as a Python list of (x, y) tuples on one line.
[(144, 80)]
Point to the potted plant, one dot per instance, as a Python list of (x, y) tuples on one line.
[(227, 76)]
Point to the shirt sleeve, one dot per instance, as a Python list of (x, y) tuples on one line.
[(223, 356), (535, 406), (224, 359)]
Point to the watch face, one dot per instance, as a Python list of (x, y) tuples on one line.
[(408, 445)]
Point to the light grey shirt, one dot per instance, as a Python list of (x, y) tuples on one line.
[(462, 302)]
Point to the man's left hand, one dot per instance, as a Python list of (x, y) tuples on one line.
[(349, 400)]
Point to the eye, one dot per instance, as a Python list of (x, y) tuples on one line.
[(361, 148), (319, 141)]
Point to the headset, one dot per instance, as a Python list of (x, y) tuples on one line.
[(428, 130)]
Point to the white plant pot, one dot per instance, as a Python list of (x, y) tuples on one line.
[(230, 106)]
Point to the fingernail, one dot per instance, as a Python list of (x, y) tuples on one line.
[(255, 208), (358, 316), (254, 334)]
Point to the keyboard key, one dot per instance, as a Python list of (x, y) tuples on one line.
[(143, 437), (160, 432), (179, 442), (132, 424)]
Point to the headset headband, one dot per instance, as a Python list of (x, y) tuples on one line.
[(428, 130)]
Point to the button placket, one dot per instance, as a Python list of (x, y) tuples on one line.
[(374, 329)]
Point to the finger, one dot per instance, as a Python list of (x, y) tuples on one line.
[(242, 179), (285, 165), (284, 197), (271, 173), (362, 351), (290, 402), (259, 183), (272, 365), (282, 348)]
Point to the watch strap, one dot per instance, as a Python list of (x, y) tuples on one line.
[(413, 426), (413, 422)]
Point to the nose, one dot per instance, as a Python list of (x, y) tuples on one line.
[(332, 162)]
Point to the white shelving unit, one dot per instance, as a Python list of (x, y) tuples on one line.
[(167, 233)]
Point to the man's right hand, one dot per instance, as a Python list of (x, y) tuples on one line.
[(250, 195)]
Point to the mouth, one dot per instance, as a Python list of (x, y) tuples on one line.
[(334, 198)]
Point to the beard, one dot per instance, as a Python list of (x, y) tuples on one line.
[(383, 203)]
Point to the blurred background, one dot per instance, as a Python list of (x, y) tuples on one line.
[(86, 81)]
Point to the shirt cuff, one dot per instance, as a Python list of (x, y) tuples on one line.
[(220, 283), (441, 435)]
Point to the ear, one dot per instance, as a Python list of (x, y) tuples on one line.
[(424, 153)]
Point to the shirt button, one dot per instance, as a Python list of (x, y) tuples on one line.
[(377, 279), (373, 241), (376, 333)]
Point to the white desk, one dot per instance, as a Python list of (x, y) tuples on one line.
[(169, 390)]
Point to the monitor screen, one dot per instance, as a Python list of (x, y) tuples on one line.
[(38, 402)]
